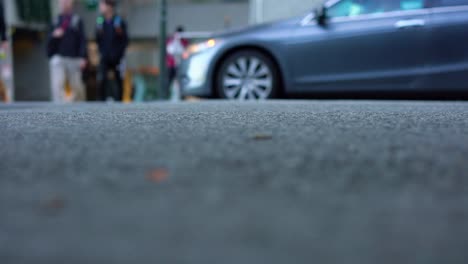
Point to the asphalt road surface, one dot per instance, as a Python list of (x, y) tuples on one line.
[(215, 182)]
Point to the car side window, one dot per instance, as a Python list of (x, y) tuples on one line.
[(346, 8), (412, 4), (442, 3), (352, 8)]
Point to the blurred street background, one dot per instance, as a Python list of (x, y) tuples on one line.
[(225, 181), (29, 24)]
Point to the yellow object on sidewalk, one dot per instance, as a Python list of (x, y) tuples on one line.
[(3, 93), (68, 91), (128, 87)]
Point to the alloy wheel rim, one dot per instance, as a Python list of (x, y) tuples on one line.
[(247, 78)]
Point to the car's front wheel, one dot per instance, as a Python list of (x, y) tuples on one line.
[(247, 75)]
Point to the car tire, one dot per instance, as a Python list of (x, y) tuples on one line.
[(247, 75)]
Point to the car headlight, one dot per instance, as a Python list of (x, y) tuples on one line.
[(200, 47)]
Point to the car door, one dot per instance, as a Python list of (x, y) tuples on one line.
[(449, 45), (364, 45)]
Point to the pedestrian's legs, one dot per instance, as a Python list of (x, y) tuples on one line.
[(103, 81), (170, 81), (57, 78), (76, 82), (118, 91)]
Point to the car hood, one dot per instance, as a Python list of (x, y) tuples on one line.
[(258, 28)]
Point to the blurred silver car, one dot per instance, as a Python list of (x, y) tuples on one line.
[(343, 46)]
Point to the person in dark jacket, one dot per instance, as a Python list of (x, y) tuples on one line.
[(112, 39), (3, 27), (67, 50)]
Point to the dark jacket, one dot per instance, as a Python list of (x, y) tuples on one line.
[(3, 28), (112, 39), (73, 43)]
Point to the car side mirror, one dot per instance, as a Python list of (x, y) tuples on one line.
[(321, 15)]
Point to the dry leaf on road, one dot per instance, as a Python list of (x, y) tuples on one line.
[(262, 137), (158, 176)]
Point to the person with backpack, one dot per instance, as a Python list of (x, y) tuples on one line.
[(67, 51), (112, 40)]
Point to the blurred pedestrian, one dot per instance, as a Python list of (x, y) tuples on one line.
[(67, 50), (176, 46), (112, 39), (3, 27), (4, 92)]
